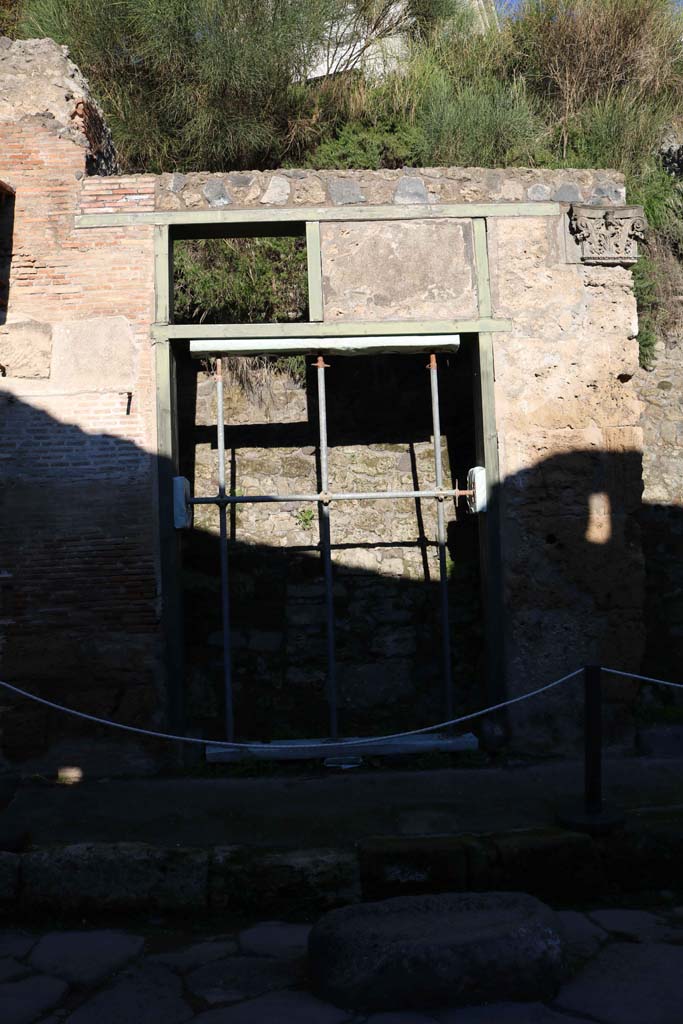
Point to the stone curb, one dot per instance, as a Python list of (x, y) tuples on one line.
[(136, 877), (551, 864)]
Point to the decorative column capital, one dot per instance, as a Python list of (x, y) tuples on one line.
[(606, 236)]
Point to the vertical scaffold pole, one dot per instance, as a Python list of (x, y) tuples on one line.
[(326, 550), (225, 590), (441, 538)]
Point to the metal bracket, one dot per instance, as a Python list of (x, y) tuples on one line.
[(182, 506), (476, 484)]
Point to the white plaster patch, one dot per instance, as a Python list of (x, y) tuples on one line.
[(95, 355)]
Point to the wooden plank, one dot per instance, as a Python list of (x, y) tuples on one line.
[(490, 521), (319, 213), (381, 328), (169, 550), (481, 257), (163, 274), (338, 346), (315, 271)]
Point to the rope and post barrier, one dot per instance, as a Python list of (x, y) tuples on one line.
[(591, 816)]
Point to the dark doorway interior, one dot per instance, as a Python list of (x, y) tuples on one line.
[(390, 672)]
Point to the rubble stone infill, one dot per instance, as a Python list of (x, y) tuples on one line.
[(625, 967)]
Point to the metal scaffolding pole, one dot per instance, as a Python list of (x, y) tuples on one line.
[(225, 590), (441, 538), (326, 550)]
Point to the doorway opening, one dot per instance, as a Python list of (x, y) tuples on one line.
[(349, 617)]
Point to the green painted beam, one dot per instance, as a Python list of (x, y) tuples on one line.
[(163, 274), (315, 271), (481, 259), (169, 542), (490, 521), (305, 214), (230, 332)]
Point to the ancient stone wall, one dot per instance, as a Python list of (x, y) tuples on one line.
[(79, 545), (78, 526), (661, 515)]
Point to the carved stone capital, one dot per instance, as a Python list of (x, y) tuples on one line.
[(606, 236)]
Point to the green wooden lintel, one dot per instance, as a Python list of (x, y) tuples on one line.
[(306, 214), (227, 332)]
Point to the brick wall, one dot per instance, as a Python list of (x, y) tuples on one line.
[(78, 525)]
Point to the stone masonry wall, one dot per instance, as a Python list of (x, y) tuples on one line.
[(661, 515), (571, 448), (79, 531)]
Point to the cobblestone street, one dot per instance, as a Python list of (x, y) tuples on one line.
[(628, 967)]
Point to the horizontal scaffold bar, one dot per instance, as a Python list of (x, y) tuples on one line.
[(325, 497), (292, 214)]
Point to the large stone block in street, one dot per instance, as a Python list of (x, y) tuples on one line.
[(446, 950)]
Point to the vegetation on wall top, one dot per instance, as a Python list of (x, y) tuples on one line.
[(226, 84)]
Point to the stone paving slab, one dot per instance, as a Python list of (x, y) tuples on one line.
[(508, 1013), (85, 958), (629, 983), (11, 969), (277, 1008), (236, 978), (16, 943), (400, 1017), (582, 936), (637, 925), (146, 995), (276, 939), (23, 1001), (632, 982), (189, 959)]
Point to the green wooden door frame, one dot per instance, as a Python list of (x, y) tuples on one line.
[(165, 334)]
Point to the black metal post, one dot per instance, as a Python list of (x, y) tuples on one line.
[(592, 682), (592, 817)]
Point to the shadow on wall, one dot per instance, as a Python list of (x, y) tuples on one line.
[(6, 233), (81, 616)]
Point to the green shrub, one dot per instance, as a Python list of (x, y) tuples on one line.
[(240, 280), (10, 17), (190, 83), (371, 146), (222, 84), (645, 287)]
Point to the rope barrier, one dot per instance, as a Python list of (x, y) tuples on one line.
[(284, 746), (644, 679), (336, 744)]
